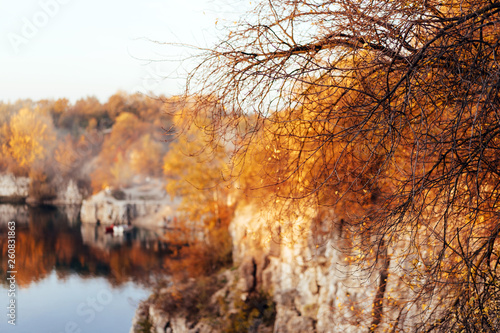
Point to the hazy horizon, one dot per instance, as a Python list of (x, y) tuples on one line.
[(54, 49)]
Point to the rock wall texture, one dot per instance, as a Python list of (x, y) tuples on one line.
[(68, 194), (20, 213), (13, 189), (319, 279), (162, 322), (146, 207), (16, 190), (314, 289), (109, 210), (309, 268)]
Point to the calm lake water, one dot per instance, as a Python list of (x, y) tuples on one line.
[(73, 277)]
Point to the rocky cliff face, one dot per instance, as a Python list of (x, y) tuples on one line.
[(145, 206), (308, 267), (109, 210), (318, 278), (68, 194), (16, 190), (13, 189), (313, 287)]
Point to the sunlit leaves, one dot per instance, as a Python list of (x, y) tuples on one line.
[(386, 112), (196, 173), (31, 135)]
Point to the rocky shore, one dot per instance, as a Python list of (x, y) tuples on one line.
[(13, 189), (311, 282), (143, 205)]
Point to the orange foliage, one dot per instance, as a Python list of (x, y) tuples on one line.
[(31, 135)]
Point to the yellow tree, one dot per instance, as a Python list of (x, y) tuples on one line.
[(146, 156), (30, 139), (113, 165), (195, 174)]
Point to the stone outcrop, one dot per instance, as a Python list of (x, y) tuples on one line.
[(68, 195), (20, 213), (146, 206), (164, 323), (13, 189), (308, 268), (16, 190)]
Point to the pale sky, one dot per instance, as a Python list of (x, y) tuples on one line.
[(79, 48)]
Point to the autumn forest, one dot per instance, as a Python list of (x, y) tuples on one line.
[(97, 144)]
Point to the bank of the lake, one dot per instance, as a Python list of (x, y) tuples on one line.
[(71, 274)]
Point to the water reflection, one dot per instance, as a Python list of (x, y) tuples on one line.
[(49, 238)]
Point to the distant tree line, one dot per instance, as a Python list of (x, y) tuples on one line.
[(97, 144)]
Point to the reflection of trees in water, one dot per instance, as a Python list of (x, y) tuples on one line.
[(50, 242)]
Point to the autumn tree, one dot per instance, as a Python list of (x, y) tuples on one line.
[(195, 173), (112, 167), (146, 156), (53, 141), (132, 148), (387, 106), (29, 139)]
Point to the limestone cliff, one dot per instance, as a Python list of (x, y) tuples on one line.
[(68, 194), (314, 289), (17, 190), (13, 189), (318, 276), (308, 267), (146, 205)]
